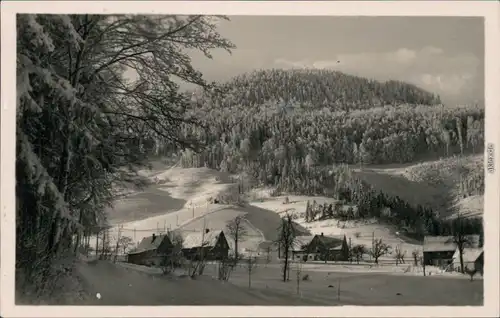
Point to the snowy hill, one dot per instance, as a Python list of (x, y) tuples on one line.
[(456, 182), (182, 199)]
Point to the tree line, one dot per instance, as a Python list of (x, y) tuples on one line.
[(316, 89), (414, 221), (309, 152), (276, 141)]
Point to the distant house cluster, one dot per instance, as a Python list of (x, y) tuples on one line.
[(320, 248), (153, 249), (442, 251)]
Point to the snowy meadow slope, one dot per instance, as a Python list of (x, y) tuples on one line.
[(183, 201), (179, 198), (451, 186)]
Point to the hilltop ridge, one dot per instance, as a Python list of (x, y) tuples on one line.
[(316, 89)]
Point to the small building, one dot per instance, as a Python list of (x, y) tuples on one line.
[(329, 248), (212, 245), (439, 250), (151, 250), (299, 250), (321, 248), (472, 257)]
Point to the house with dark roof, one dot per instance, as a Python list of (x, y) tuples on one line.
[(439, 250), (212, 245), (323, 248), (330, 248), (151, 250)]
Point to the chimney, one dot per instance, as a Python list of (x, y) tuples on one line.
[(154, 238), (207, 230)]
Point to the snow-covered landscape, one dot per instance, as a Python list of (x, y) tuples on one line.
[(196, 186), (154, 169)]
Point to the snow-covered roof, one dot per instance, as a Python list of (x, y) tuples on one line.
[(301, 241), (198, 239), (470, 254), (439, 244), (336, 247), (331, 241), (150, 243), (446, 243)]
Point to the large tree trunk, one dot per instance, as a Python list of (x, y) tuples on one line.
[(79, 234), (236, 250), (461, 260), (97, 244), (285, 268)]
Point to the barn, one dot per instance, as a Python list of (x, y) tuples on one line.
[(322, 247), (212, 245), (439, 250), (330, 248), (151, 250), (299, 250), (473, 259)]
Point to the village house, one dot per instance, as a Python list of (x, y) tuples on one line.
[(151, 250), (329, 248), (473, 259), (212, 245), (299, 250), (439, 250), (321, 248)]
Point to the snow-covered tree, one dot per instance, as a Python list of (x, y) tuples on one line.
[(93, 92)]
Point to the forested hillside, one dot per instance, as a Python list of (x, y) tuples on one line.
[(307, 150), (380, 135), (322, 88)]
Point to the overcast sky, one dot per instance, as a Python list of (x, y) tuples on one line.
[(442, 54)]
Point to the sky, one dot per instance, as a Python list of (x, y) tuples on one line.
[(444, 55)]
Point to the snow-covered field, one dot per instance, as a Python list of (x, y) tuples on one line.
[(357, 231), (180, 199), (177, 197)]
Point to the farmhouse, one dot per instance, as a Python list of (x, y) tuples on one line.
[(439, 250), (210, 245), (321, 247), (473, 259), (151, 250), (299, 250), (330, 248)]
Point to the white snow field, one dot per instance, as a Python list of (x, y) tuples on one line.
[(357, 231), (176, 197), (180, 199)]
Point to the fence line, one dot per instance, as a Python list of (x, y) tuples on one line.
[(165, 229)]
